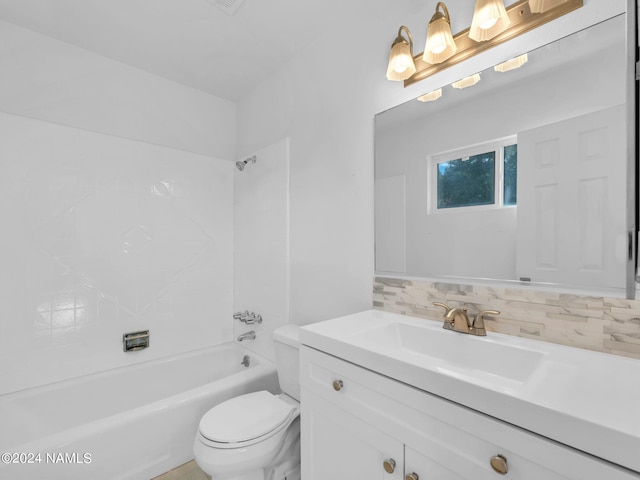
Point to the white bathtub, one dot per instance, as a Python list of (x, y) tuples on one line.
[(129, 423)]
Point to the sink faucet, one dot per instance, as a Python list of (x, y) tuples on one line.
[(456, 319)]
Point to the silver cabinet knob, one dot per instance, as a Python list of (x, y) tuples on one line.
[(499, 464), (412, 476), (337, 385), (389, 465)]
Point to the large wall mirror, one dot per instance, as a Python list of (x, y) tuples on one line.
[(521, 177)]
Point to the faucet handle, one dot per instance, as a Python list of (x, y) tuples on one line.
[(448, 322), (477, 326), (252, 318), (443, 305)]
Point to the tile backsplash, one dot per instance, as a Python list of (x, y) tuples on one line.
[(610, 325)]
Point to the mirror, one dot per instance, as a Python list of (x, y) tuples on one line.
[(445, 205)]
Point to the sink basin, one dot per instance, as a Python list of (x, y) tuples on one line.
[(452, 351)]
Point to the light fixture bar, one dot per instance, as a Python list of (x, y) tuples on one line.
[(522, 21)]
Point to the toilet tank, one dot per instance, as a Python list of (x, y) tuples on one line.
[(287, 346)]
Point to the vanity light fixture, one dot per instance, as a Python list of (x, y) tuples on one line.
[(440, 44), (519, 19), (512, 64), (431, 96), (466, 82), (489, 19), (541, 6), (401, 65)]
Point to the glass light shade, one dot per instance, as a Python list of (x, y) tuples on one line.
[(431, 96), (401, 64), (440, 44), (467, 81), (490, 18), (512, 64), (541, 6)]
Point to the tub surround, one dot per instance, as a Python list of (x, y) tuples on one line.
[(261, 244), (599, 323), (107, 235)]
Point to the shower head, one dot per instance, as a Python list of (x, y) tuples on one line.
[(241, 163)]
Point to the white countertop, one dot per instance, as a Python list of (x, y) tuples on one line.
[(587, 400)]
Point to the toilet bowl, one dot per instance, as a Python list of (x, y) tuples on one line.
[(256, 436)]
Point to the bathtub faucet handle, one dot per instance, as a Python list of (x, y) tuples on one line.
[(241, 315), (253, 318), (248, 318)]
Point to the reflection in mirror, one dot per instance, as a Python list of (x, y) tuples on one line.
[(519, 177)]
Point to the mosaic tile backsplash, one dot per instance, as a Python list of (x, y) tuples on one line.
[(609, 325)]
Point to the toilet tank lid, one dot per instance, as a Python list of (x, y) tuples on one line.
[(288, 334)]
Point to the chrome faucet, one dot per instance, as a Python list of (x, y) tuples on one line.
[(456, 319), (250, 335), (248, 318)]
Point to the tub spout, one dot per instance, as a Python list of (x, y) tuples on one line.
[(250, 335)]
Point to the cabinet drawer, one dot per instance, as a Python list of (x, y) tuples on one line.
[(445, 439), (352, 388)]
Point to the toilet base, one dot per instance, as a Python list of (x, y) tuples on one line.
[(255, 475)]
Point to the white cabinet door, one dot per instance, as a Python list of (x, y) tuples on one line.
[(339, 446)]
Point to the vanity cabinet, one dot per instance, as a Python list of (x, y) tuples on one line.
[(358, 424)]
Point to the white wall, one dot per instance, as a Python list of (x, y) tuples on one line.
[(324, 100), (112, 218), (57, 82)]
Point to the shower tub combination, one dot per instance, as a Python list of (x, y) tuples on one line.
[(129, 423)]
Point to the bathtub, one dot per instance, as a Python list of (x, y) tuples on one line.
[(130, 423)]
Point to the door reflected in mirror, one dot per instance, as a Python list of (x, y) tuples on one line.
[(519, 177)]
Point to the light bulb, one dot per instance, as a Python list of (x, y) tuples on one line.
[(488, 24), (490, 18)]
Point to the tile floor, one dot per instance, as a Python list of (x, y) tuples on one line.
[(188, 471)]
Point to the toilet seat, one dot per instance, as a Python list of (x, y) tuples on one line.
[(246, 420)]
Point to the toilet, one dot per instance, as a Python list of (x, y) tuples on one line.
[(256, 436)]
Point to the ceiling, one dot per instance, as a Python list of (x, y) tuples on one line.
[(192, 42)]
